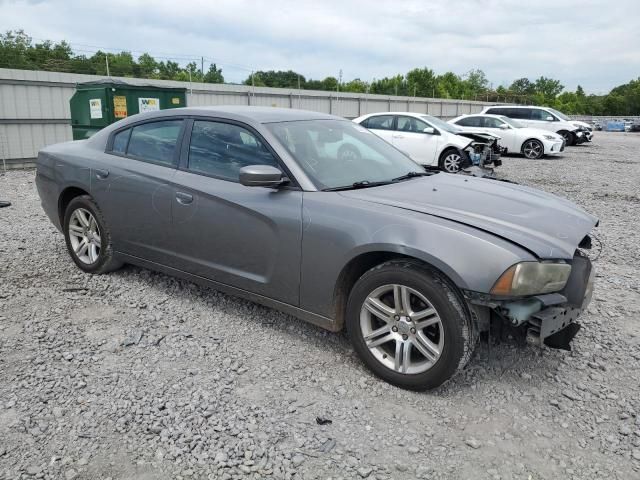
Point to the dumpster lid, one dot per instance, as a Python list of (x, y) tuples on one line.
[(114, 82)]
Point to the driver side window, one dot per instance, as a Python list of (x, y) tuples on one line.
[(222, 149), (490, 122), (410, 124)]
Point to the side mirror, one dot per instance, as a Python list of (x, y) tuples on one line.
[(429, 130), (504, 126), (549, 118), (262, 176)]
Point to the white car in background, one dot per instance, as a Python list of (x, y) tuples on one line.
[(545, 118), (531, 142), (428, 140)]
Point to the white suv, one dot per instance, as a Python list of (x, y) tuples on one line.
[(546, 118)]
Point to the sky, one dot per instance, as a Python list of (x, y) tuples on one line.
[(595, 44)]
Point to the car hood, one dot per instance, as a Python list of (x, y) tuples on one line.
[(546, 225), (581, 124)]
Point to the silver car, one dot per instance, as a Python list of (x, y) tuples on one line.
[(264, 203)]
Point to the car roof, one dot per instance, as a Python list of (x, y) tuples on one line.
[(515, 106), (247, 114)]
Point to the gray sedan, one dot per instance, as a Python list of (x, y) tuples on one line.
[(316, 216)]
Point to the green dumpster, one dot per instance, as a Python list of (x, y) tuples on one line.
[(95, 105)]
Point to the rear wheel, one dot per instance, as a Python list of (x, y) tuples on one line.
[(451, 161), (533, 149), (409, 325), (87, 237)]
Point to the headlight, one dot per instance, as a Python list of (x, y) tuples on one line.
[(532, 278), (550, 137)]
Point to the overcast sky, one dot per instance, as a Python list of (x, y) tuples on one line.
[(595, 44)]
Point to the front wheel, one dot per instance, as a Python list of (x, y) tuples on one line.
[(409, 325), (569, 137), (87, 237), (451, 161), (533, 149)]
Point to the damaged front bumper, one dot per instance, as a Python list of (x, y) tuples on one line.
[(548, 319)]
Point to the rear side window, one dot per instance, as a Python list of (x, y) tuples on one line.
[(498, 111), (520, 113), (120, 141), (155, 142), (469, 122), (222, 149), (380, 122)]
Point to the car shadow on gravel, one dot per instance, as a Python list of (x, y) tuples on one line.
[(493, 361)]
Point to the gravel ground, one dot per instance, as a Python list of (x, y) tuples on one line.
[(136, 375)]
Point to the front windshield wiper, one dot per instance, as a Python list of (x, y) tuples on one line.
[(413, 175), (356, 185), (367, 183)]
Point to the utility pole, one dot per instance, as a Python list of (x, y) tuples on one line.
[(106, 59), (202, 67), (339, 81)]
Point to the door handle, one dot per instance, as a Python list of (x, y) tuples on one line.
[(184, 198), (398, 136), (102, 174)]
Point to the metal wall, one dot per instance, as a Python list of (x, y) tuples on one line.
[(34, 105)]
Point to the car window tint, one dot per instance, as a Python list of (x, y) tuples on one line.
[(155, 142), (380, 122), (469, 122), (222, 149), (120, 141), (498, 111), (521, 113), (490, 122), (410, 124), (538, 114)]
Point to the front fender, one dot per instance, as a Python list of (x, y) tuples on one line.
[(336, 231)]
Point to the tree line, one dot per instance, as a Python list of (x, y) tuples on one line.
[(17, 50)]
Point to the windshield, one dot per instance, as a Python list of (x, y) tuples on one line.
[(512, 122), (339, 153), (442, 125), (558, 114)]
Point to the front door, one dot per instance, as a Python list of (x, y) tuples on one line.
[(246, 237), (411, 139)]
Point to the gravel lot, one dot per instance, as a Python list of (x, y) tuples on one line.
[(136, 375)]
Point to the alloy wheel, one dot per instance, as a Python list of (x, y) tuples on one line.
[(84, 236), (532, 149), (402, 329)]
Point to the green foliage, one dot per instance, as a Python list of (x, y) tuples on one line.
[(17, 50)]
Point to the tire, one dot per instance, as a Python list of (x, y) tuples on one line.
[(450, 161), (434, 302), (348, 152), (85, 220), (533, 149), (569, 137)]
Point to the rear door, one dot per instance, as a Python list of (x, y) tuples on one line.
[(381, 125), (131, 184), (246, 237), (409, 136)]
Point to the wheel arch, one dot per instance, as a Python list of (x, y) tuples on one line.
[(364, 261), (66, 195)]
